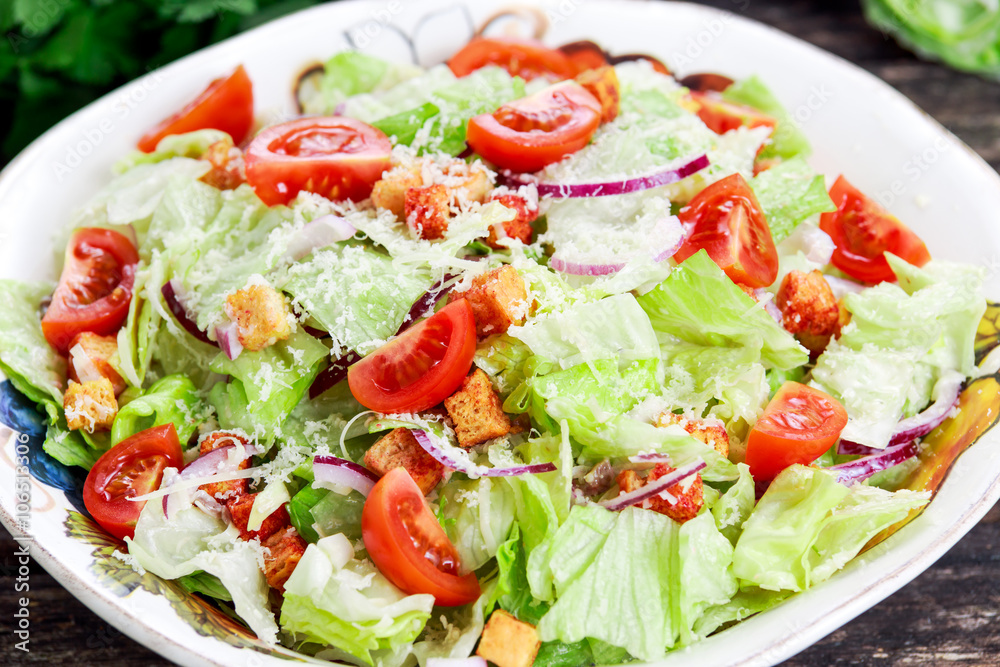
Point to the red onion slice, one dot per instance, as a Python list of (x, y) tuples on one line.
[(861, 469), (334, 470), (848, 448), (205, 465), (333, 374), (666, 176), (653, 488), (424, 306), (652, 457), (228, 335), (321, 232), (169, 293), (459, 461), (767, 299), (669, 229)]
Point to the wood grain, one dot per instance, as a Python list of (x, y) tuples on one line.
[(949, 615)]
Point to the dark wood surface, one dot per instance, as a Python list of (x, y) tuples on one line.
[(949, 615)]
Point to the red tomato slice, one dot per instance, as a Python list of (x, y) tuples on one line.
[(227, 105), (798, 425), (525, 58), (530, 133), (725, 220), (133, 467), (339, 158), (409, 546), (863, 232), (95, 287), (721, 116), (421, 367)]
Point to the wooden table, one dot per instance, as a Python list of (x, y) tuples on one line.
[(948, 615)]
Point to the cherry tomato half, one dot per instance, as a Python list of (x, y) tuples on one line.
[(525, 58), (337, 157), (797, 426), (95, 287), (227, 105), (721, 116), (530, 133), (863, 232), (421, 367), (726, 220), (133, 467), (409, 546)]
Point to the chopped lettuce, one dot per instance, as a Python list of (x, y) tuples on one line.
[(477, 515), (170, 400), (788, 139), (26, 358), (189, 145), (512, 592), (351, 73), (789, 193), (734, 507)]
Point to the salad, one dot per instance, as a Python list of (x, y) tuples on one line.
[(539, 356)]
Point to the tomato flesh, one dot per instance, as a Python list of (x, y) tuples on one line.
[(226, 104), (527, 59), (727, 222), (339, 158), (527, 134), (421, 367), (409, 546), (95, 287), (863, 232), (721, 116), (797, 426), (133, 467)]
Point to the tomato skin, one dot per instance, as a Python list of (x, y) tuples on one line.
[(394, 517), (726, 221), (226, 104), (527, 134), (863, 232), (777, 441), (421, 367), (721, 116), (133, 467), (95, 287), (337, 157), (525, 58)]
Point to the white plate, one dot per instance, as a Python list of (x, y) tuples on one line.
[(856, 123)]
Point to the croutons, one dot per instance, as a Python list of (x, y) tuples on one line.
[(399, 449), (90, 353), (390, 192), (261, 313), (508, 642), (602, 83), (518, 228), (427, 211), (239, 511), (498, 299), (477, 411), (712, 434), (90, 406), (809, 309), (234, 488), (228, 168), (688, 493), (284, 551)]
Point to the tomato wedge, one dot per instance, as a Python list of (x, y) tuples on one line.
[(337, 157), (227, 105), (721, 116), (525, 58), (421, 367), (797, 426), (863, 232), (133, 467), (409, 546), (726, 220), (95, 287), (530, 133)]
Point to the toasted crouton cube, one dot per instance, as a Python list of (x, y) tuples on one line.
[(498, 299), (520, 227), (688, 493), (234, 488), (284, 551), (508, 642), (90, 406), (809, 309), (228, 168), (477, 412), (399, 449), (465, 182), (602, 83), (427, 211), (239, 510), (390, 192), (89, 353), (261, 313), (712, 433)]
